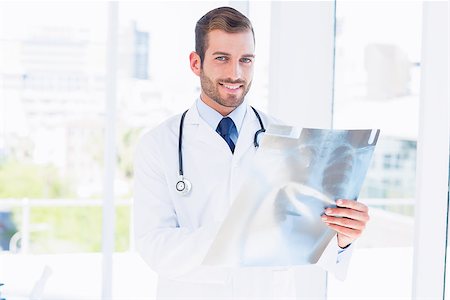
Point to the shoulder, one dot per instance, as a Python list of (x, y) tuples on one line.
[(152, 139)]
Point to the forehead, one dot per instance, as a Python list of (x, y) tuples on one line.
[(233, 43)]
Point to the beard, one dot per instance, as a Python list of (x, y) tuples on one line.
[(211, 89)]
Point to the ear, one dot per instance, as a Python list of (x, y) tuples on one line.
[(195, 63)]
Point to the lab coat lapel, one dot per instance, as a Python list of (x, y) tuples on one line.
[(249, 127)]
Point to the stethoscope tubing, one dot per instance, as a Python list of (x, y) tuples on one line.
[(180, 141)]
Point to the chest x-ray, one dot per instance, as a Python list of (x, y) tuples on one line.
[(275, 220)]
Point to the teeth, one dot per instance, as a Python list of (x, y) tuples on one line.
[(231, 87)]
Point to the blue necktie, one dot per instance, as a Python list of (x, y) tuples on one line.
[(225, 129)]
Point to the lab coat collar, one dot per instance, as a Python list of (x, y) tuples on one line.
[(192, 116), (206, 134)]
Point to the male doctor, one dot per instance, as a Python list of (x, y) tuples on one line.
[(176, 218)]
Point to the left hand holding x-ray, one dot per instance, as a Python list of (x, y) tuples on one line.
[(348, 219)]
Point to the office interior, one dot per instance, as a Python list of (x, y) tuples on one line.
[(81, 81)]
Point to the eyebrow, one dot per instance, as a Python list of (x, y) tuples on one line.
[(228, 54)]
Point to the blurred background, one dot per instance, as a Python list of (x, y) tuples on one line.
[(55, 113)]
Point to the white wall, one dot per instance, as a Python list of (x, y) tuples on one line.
[(433, 156), (301, 63)]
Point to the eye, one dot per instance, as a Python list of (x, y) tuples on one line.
[(246, 60), (221, 58)]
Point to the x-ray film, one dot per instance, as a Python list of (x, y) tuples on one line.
[(275, 220)]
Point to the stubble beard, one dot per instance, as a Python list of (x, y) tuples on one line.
[(211, 90)]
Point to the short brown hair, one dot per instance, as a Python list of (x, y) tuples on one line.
[(224, 18)]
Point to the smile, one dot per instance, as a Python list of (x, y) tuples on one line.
[(231, 86)]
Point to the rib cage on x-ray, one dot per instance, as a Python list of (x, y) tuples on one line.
[(275, 218)]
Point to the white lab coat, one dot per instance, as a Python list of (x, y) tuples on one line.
[(174, 232)]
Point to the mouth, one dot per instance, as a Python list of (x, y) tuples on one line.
[(231, 87)]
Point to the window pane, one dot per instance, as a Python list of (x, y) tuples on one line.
[(377, 76), (52, 99)]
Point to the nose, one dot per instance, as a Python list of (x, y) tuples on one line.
[(236, 71)]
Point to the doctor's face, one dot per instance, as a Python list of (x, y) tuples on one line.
[(227, 70)]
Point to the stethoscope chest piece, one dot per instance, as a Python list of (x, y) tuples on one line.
[(183, 186)]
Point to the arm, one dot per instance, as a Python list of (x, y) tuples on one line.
[(167, 248)]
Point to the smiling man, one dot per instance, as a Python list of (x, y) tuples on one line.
[(225, 68), (188, 172)]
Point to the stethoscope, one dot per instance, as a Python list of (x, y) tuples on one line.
[(183, 185)]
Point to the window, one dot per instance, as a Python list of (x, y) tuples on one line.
[(377, 72), (51, 143)]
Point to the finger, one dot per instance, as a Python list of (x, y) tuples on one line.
[(344, 222), (349, 232), (352, 204), (347, 213)]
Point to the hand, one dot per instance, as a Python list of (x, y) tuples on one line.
[(348, 219)]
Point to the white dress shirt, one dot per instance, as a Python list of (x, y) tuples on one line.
[(212, 117)]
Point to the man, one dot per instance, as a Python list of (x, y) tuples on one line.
[(180, 203)]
